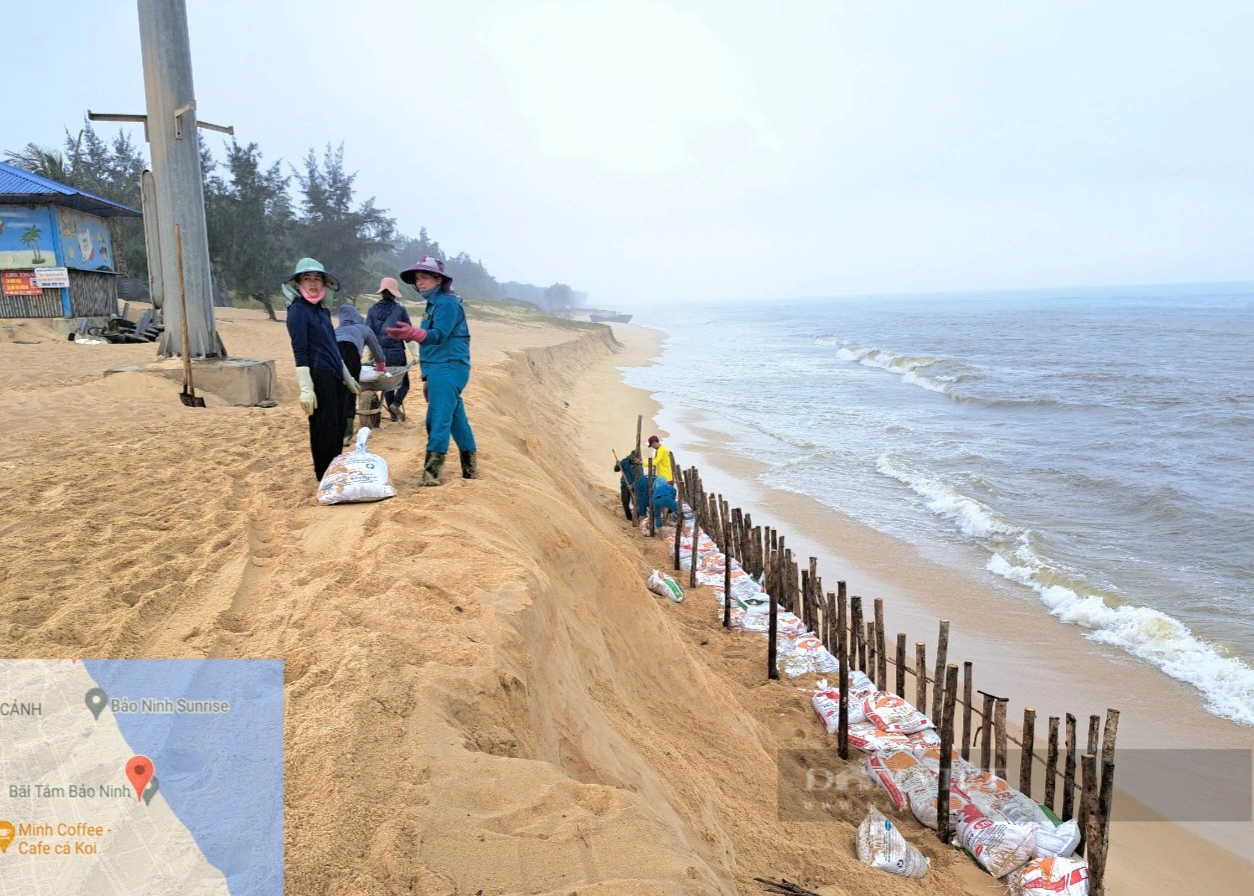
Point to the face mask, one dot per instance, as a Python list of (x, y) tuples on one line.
[(313, 292), (428, 293)]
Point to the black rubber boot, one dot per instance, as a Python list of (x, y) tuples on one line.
[(470, 465), (431, 468)]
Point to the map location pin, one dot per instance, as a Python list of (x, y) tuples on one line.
[(139, 770), (150, 791), (96, 700), (6, 835)]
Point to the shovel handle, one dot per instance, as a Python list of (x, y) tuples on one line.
[(187, 348)]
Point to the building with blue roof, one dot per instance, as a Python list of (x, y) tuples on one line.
[(56, 253)]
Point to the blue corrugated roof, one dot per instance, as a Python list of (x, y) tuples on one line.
[(20, 187)]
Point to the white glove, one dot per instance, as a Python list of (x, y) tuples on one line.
[(353, 385), (308, 400)]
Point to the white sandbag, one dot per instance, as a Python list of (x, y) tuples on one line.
[(1000, 847), (826, 702), (895, 715), (870, 739), (882, 846), (665, 586), (1057, 842), (1051, 877), (806, 655), (356, 476), (997, 799)]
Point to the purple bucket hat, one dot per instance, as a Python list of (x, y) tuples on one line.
[(431, 265)]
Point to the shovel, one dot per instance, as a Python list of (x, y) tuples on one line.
[(188, 396)]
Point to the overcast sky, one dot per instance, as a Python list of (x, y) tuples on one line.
[(717, 148)]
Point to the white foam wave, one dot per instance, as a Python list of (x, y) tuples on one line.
[(914, 369), (1226, 682), (971, 517)]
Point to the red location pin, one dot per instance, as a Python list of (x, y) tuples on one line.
[(139, 770)]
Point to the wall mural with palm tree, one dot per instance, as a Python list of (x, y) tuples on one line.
[(25, 237)]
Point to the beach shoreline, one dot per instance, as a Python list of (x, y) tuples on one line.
[(1018, 650), (499, 702)]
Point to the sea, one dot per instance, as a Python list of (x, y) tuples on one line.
[(1092, 450)]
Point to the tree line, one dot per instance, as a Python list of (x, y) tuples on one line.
[(261, 217)]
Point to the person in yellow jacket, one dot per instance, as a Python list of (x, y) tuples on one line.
[(662, 466)]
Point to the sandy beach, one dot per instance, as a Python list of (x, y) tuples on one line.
[(481, 694)]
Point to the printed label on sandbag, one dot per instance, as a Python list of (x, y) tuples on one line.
[(882, 846), (665, 586), (1051, 877), (357, 476)]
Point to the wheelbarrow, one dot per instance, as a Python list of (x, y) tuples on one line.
[(373, 384)]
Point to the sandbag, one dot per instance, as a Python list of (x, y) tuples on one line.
[(826, 702), (1055, 842), (665, 586), (806, 655), (1000, 847), (870, 739), (882, 846), (1051, 877), (357, 476), (893, 714)]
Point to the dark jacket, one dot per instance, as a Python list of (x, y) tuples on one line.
[(383, 314), (353, 329), (629, 470), (313, 337)]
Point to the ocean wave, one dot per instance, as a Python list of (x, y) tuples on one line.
[(972, 517), (1226, 682), (941, 375)]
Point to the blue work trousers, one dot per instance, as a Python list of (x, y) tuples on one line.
[(446, 414)]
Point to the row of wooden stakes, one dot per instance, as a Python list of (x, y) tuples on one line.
[(861, 644)]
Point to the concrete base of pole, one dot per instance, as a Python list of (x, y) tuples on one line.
[(241, 382)]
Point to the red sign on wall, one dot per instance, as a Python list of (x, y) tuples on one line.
[(19, 283)]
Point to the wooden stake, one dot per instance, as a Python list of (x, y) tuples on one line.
[(967, 706), (648, 507), (871, 658), (727, 589), (950, 691), (1088, 800), (842, 652), (1026, 757), (858, 657), (1051, 764), (1099, 837), (696, 536), (942, 659), (881, 673), (1108, 771), (986, 732), (901, 665), (842, 624), (920, 674), (999, 736), (773, 630), (1095, 723), (1068, 778)]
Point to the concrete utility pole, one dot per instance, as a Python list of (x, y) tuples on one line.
[(177, 178)]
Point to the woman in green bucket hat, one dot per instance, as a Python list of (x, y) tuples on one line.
[(326, 386)]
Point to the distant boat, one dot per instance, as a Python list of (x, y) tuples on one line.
[(610, 318)]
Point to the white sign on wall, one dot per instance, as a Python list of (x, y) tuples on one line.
[(52, 278)]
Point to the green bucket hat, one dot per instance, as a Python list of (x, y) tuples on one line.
[(307, 266)]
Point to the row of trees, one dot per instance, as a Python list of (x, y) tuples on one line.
[(261, 217)]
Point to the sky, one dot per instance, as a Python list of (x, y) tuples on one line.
[(723, 150)]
